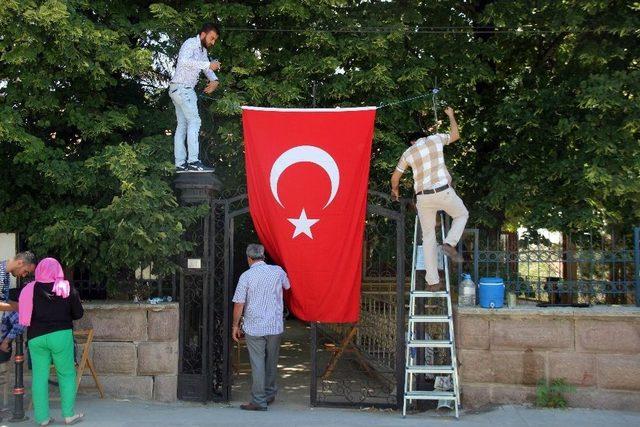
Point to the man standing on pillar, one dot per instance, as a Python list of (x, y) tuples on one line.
[(192, 59), (259, 296), (432, 184)]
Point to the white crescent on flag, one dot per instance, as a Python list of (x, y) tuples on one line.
[(305, 154)]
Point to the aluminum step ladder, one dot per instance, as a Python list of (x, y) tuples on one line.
[(416, 345)]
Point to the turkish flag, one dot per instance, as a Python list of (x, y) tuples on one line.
[(307, 176)]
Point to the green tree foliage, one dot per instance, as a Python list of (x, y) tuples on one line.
[(546, 94), (85, 162)]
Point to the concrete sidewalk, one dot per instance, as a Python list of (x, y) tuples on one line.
[(116, 413)]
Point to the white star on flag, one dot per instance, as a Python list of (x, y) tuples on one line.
[(302, 224)]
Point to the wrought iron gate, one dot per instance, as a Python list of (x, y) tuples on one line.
[(375, 345), (363, 364), (206, 288)]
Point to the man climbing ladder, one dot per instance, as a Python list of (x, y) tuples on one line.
[(432, 184)]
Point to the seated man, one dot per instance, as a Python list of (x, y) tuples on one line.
[(21, 265), (10, 328)]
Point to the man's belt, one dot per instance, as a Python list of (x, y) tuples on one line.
[(433, 191)]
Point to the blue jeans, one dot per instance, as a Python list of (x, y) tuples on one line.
[(185, 101)]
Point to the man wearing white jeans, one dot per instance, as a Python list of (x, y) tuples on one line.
[(432, 184), (192, 59)]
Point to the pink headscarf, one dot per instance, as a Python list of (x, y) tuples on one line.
[(48, 270)]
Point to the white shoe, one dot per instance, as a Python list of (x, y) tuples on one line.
[(74, 419)]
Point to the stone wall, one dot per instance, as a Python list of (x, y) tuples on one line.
[(504, 353), (135, 349)]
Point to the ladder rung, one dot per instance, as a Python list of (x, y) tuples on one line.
[(430, 395), (429, 294), (430, 369), (441, 318), (429, 343)]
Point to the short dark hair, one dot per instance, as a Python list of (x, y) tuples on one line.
[(413, 136), (26, 257), (210, 26)]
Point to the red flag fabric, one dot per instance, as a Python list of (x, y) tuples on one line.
[(307, 176)]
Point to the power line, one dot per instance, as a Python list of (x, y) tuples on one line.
[(436, 30), (390, 104)]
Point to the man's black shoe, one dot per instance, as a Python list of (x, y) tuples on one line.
[(181, 168), (198, 167), (253, 407)]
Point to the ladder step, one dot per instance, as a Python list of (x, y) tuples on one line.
[(429, 294), (430, 395), (430, 343), (430, 369), (441, 318)]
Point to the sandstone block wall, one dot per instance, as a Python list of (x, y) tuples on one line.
[(135, 349), (504, 353)]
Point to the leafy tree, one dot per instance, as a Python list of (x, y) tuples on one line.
[(545, 92), (85, 159)]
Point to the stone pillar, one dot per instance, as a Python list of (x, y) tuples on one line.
[(195, 280), (196, 187)]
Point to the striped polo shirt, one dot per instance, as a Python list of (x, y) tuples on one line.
[(260, 290)]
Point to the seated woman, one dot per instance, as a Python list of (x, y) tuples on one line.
[(48, 307)]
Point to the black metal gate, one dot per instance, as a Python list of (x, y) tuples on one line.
[(363, 364), (375, 345), (206, 285)]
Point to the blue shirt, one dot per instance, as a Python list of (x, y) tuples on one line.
[(4, 280), (260, 290), (9, 326)]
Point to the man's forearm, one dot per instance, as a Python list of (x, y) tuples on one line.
[(237, 313), (455, 133), (395, 180), (11, 306)]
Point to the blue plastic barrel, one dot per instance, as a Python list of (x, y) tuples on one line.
[(491, 291)]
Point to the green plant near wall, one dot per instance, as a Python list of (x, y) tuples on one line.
[(551, 395)]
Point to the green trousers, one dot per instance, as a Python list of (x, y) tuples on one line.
[(56, 347)]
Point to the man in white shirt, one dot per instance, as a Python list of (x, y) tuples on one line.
[(192, 60), (259, 296), (432, 185)]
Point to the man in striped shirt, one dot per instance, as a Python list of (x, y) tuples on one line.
[(432, 185), (259, 296)]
